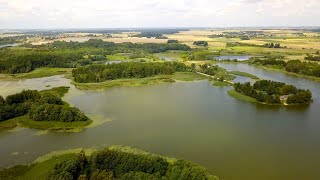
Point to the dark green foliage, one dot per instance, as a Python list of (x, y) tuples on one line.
[(312, 57), (302, 97), (15, 110), (272, 45), (201, 43), (98, 58), (120, 163), (139, 176), (41, 106), (84, 62), (184, 170), (22, 97), (208, 69), (172, 41), (25, 60), (270, 92), (100, 73), (245, 38), (2, 101), (101, 175), (54, 112), (112, 164)]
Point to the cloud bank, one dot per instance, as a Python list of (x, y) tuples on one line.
[(156, 13)]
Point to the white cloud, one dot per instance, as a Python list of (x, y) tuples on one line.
[(155, 13)]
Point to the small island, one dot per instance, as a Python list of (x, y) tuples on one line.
[(271, 92), (41, 110), (115, 162)]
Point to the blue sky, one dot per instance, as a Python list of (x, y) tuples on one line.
[(157, 13)]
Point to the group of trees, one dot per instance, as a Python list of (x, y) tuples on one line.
[(311, 57), (272, 45), (270, 92), (172, 41), (25, 60), (112, 164), (40, 106), (295, 66), (201, 43), (72, 54), (99, 73), (208, 69)]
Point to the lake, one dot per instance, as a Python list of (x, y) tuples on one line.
[(195, 121), (239, 58)]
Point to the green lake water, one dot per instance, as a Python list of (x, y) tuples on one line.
[(196, 121)]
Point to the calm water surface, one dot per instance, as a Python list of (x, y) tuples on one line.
[(239, 58), (195, 121)]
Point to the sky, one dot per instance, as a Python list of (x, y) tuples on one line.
[(39, 14)]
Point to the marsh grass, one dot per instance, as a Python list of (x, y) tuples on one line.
[(242, 97), (240, 73)]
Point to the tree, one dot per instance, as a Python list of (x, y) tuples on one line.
[(193, 66), (2, 101)]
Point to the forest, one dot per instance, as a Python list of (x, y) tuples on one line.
[(113, 164), (100, 73), (39, 106), (272, 92), (295, 66), (71, 54)]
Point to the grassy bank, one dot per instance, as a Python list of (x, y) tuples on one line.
[(25, 121), (179, 76), (239, 73), (37, 73), (242, 97)]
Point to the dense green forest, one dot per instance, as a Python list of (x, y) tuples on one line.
[(71, 54), (39, 106), (112, 164), (100, 73), (274, 92), (295, 66)]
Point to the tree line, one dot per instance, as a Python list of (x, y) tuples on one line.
[(39, 106), (113, 164), (100, 73), (270, 92), (295, 66)]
